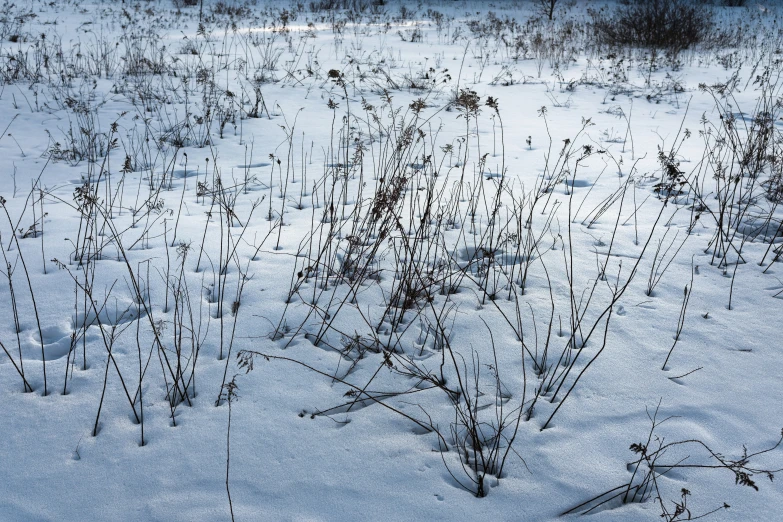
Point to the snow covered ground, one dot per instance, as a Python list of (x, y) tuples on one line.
[(442, 261)]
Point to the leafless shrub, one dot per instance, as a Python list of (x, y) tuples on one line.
[(663, 25)]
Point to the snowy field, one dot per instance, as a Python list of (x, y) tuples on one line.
[(356, 260)]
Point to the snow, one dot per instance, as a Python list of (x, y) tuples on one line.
[(288, 177)]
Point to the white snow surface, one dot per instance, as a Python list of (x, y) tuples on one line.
[(366, 462)]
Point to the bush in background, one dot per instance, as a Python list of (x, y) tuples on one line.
[(665, 25)]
